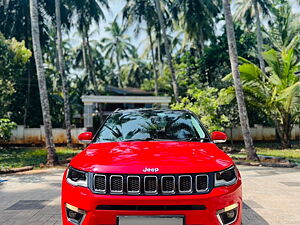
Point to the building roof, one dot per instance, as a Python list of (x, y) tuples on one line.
[(89, 99), (128, 91)]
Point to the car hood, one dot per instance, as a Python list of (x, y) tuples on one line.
[(165, 157)]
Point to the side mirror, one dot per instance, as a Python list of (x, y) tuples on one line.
[(218, 137), (85, 137)]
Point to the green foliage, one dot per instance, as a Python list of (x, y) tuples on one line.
[(204, 103), (275, 93), (290, 154), (20, 157), (191, 24), (6, 127), (283, 29), (13, 58)]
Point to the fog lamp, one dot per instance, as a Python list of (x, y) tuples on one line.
[(228, 215), (74, 214)]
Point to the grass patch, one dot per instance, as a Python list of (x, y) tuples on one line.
[(290, 154), (19, 157)]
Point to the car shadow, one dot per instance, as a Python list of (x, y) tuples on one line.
[(251, 217)]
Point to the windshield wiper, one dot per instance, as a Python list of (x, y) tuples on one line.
[(194, 139), (139, 139)]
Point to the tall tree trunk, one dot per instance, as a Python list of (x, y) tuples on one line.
[(284, 130), (153, 62), (158, 54), (119, 71), (51, 157), (91, 64), (259, 37), (251, 153), (86, 63), (201, 40), (84, 55), (61, 64), (168, 50), (28, 66)]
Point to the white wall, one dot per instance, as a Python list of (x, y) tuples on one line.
[(23, 135), (260, 133)]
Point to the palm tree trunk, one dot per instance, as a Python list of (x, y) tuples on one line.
[(28, 67), (251, 153), (119, 71), (153, 62), (158, 54), (284, 128), (61, 64), (201, 40), (84, 55), (86, 64), (168, 50), (91, 64), (51, 157), (259, 37)]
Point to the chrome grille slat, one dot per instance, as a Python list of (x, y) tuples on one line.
[(185, 184), (133, 184), (168, 184), (116, 184), (100, 183), (154, 184), (201, 183), (151, 184)]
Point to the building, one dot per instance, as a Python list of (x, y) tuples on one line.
[(98, 107)]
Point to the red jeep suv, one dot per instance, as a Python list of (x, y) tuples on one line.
[(152, 167)]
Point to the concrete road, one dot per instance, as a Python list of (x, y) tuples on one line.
[(271, 196)]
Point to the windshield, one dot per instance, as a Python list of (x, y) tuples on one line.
[(151, 125)]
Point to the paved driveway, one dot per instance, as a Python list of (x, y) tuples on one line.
[(271, 196)]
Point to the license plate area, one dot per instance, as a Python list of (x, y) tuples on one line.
[(150, 220)]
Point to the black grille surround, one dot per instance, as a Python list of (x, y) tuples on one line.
[(151, 184)]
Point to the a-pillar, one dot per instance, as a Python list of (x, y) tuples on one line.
[(88, 116)]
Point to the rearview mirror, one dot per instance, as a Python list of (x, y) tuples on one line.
[(85, 137), (218, 137)]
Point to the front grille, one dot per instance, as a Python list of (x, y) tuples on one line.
[(116, 184), (185, 183), (152, 184), (100, 183), (133, 184), (168, 184)]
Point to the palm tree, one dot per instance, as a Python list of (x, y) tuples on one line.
[(117, 47), (283, 27), (61, 63), (251, 153), (87, 13), (275, 93), (192, 15), (136, 12), (248, 9), (52, 158), (167, 49), (135, 71), (15, 22)]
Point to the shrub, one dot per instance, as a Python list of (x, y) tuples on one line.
[(6, 127)]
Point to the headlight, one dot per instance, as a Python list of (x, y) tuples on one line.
[(226, 177), (76, 177)]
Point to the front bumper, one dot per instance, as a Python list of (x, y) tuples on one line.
[(216, 200)]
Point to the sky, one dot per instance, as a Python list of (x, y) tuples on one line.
[(115, 10)]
